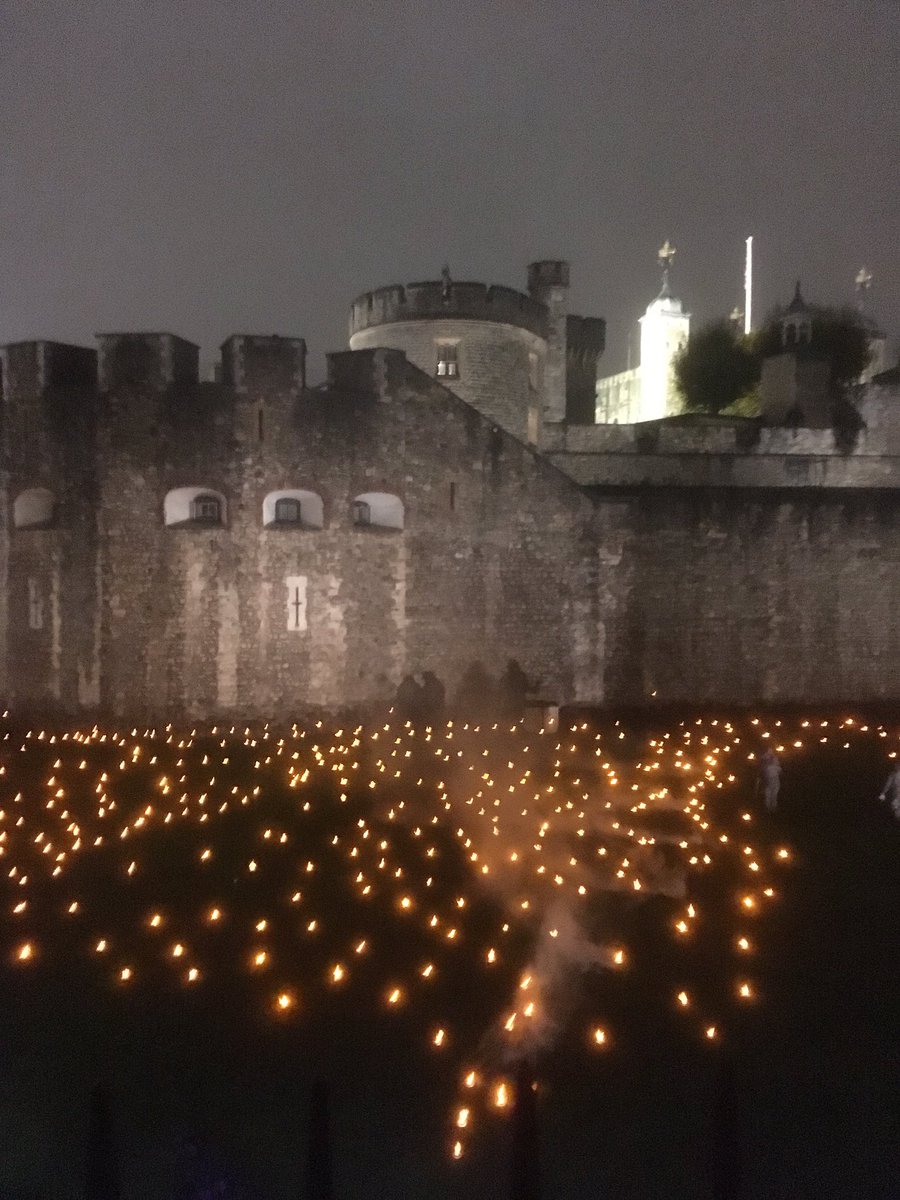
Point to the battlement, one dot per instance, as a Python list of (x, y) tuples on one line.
[(33, 368), (153, 360), (585, 336), (251, 362), (366, 372), (439, 301), (549, 273)]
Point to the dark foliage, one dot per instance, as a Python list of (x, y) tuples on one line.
[(838, 335), (716, 367), (719, 366)]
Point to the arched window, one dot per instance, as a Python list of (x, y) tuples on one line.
[(34, 508), (378, 510), (293, 509), (194, 506)]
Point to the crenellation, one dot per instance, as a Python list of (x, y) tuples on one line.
[(153, 361), (257, 547), (435, 299)]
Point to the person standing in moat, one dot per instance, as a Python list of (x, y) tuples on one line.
[(891, 790), (770, 778)]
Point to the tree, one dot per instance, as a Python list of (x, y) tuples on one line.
[(719, 368), (838, 335), (716, 368)]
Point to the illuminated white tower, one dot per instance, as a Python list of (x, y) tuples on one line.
[(664, 331)]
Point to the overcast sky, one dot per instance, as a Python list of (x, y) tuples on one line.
[(210, 167)]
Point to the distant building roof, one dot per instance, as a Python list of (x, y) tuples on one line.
[(798, 304)]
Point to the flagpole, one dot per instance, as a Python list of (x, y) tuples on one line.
[(748, 287)]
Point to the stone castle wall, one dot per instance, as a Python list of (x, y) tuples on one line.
[(744, 596), (490, 563), (616, 592), (495, 374)]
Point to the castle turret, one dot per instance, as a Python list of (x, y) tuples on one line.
[(664, 331), (585, 342), (548, 282), (487, 344)]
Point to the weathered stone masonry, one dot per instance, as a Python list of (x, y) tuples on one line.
[(610, 568)]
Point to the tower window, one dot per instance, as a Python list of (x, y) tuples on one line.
[(534, 376), (35, 605), (447, 360)]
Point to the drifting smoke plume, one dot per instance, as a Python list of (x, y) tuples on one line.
[(547, 842)]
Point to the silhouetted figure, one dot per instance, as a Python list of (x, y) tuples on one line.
[(770, 778), (433, 696), (891, 791), (476, 695), (514, 688), (101, 1168), (408, 701), (726, 1144), (525, 1163), (319, 1182)]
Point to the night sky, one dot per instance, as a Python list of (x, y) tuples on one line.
[(218, 167)]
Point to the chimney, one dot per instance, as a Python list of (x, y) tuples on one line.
[(548, 282)]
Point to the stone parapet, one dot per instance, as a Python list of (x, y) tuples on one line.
[(437, 301), (631, 468)]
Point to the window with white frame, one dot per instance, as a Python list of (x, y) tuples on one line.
[(293, 509), (200, 507), (378, 510)]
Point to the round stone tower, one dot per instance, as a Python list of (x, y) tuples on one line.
[(487, 344)]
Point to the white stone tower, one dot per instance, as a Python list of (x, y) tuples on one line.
[(664, 330)]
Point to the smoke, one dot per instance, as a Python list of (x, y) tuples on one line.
[(550, 830)]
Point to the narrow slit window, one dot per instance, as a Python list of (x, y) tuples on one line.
[(35, 605)]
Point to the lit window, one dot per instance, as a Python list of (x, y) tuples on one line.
[(206, 509), (447, 360), (534, 368)]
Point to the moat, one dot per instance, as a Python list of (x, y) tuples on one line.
[(409, 914)]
